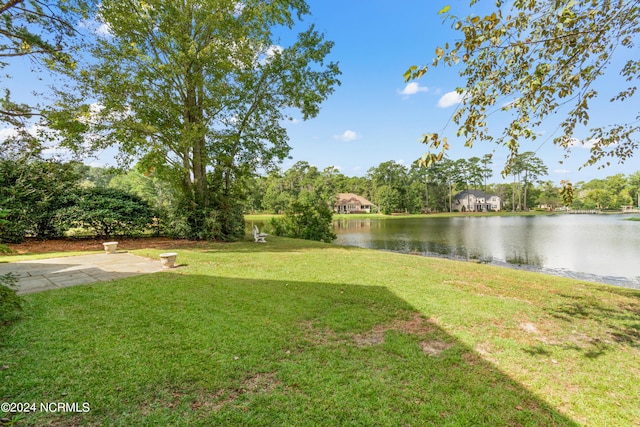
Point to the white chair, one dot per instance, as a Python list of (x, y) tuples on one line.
[(258, 236)]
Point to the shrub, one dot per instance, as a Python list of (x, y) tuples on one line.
[(108, 212), (306, 220), (31, 191)]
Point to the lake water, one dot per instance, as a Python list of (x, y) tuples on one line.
[(600, 248)]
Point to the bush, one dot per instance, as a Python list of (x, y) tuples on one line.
[(31, 192), (306, 220), (108, 212)]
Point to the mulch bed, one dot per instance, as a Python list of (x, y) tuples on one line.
[(67, 245)]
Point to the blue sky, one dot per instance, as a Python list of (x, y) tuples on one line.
[(374, 116)]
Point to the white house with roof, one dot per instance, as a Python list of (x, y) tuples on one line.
[(476, 201), (352, 203)]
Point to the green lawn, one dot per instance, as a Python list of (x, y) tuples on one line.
[(306, 334)]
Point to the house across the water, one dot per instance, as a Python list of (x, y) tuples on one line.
[(352, 203), (476, 201)]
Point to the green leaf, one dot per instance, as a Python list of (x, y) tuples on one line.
[(444, 9)]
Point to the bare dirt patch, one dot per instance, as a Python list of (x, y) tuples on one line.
[(434, 348), (417, 325), (32, 246), (262, 383)]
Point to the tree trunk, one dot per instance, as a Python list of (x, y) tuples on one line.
[(195, 174), (426, 195), (526, 208), (513, 195)]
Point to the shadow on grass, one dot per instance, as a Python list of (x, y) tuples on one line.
[(205, 350)]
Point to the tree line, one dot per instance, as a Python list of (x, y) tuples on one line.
[(394, 187), (45, 198)]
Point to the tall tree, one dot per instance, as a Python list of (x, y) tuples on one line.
[(199, 90), (475, 172), (395, 176), (486, 170), (526, 168), (634, 187), (533, 168), (445, 173), (549, 195), (531, 58), (419, 179)]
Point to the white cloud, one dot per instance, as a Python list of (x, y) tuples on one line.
[(273, 49), (348, 135), (267, 54), (413, 88), (49, 143), (449, 99), (7, 133), (509, 104), (101, 29), (561, 171), (581, 143)]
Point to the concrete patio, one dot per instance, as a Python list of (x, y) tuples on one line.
[(54, 273)]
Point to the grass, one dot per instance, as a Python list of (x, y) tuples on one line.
[(301, 333)]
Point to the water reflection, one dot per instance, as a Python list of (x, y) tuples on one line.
[(603, 248)]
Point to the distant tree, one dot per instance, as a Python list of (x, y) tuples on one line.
[(634, 186), (275, 198), (615, 184), (504, 191), (526, 168), (597, 198), (418, 192), (389, 199), (395, 176), (486, 170), (449, 173), (549, 195), (327, 183), (439, 180), (145, 184), (355, 184), (255, 187)]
